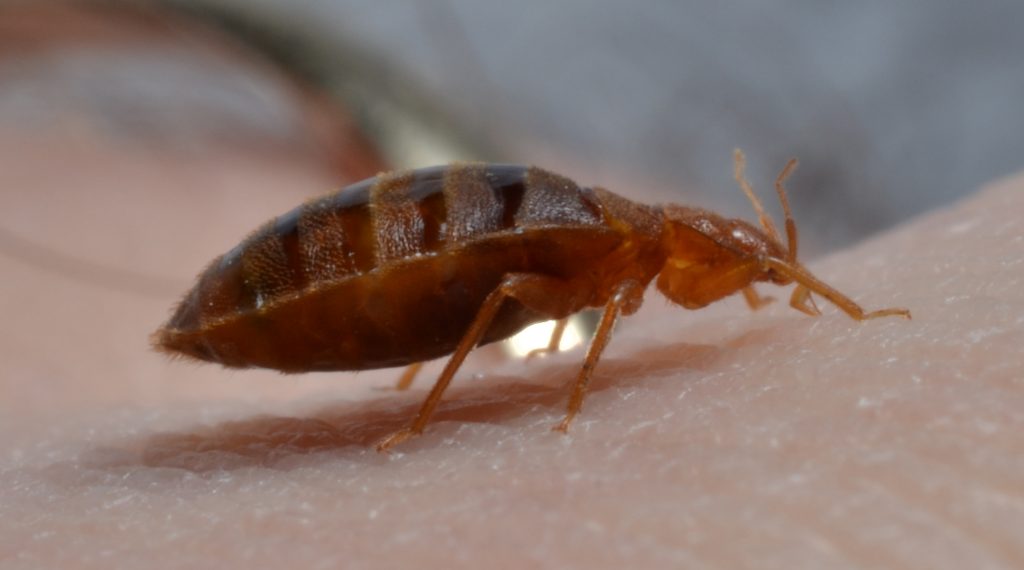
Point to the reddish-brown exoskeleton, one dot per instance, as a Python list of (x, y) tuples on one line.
[(410, 266)]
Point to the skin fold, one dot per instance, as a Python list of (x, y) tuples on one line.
[(717, 438)]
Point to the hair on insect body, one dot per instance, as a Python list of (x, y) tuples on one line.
[(411, 266)]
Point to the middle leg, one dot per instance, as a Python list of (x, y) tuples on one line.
[(546, 295), (554, 342), (626, 299)]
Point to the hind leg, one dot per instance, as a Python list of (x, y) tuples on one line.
[(546, 295)]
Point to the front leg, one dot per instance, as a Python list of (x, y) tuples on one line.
[(807, 284), (754, 299)]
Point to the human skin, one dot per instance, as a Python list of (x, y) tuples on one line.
[(718, 438)]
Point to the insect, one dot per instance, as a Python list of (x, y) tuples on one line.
[(410, 266)]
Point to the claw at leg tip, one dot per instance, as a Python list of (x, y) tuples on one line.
[(562, 426), (385, 445)]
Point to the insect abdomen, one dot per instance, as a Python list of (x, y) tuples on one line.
[(353, 243)]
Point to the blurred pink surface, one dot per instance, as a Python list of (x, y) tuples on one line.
[(718, 437), (715, 438)]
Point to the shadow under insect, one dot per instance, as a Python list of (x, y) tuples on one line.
[(351, 429)]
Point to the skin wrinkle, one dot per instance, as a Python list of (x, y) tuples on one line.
[(938, 517), (265, 441)]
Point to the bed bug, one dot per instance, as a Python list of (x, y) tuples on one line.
[(411, 266)]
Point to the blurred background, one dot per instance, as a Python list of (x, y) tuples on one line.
[(138, 140)]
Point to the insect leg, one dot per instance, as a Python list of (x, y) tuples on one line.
[(802, 301), (811, 284), (554, 342), (754, 299), (626, 299), (544, 294), (408, 375)]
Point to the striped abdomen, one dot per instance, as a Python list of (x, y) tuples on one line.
[(380, 262)]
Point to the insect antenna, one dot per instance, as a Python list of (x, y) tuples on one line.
[(739, 166), (791, 238)]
